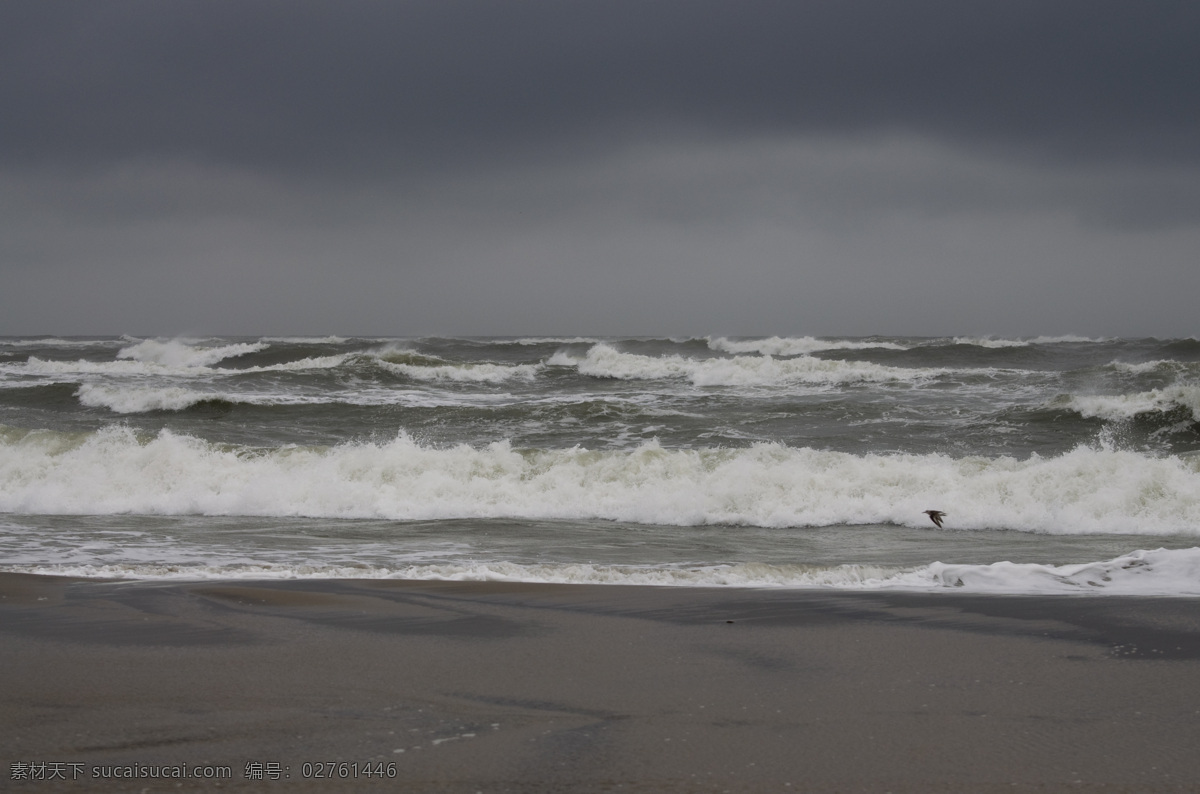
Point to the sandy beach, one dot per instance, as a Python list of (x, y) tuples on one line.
[(443, 686)]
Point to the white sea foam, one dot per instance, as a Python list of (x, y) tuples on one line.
[(400, 358), (605, 361), (56, 342), (1159, 572), (1068, 339), (113, 471), (552, 340), (1001, 342), (991, 342), (299, 365), (465, 373), (795, 346), (1177, 369), (177, 353), (127, 368), (133, 398), (307, 340), (126, 400), (5, 383), (58, 369), (1117, 407)]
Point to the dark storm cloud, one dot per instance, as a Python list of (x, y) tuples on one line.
[(357, 87), (599, 166)]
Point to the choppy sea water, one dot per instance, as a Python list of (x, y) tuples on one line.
[(1064, 465)]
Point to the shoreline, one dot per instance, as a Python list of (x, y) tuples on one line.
[(464, 686)]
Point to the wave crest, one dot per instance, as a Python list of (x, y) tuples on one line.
[(795, 346), (605, 361), (132, 400), (770, 485), (180, 353), (1121, 407)]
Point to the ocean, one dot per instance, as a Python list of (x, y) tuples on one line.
[(1064, 465)]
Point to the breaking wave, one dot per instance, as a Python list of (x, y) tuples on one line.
[(114, 470), (127, 400), (1000, 342), (464, 373), (178, 353), (605, 361), (796, 346), (1120, 407)]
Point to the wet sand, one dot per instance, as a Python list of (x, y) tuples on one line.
[(462, 687)]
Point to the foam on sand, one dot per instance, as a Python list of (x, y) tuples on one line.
[(1170, 572)]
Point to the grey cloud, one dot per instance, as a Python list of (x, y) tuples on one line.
[(855, 237), (357, 87), (838, 182), (599, 166)]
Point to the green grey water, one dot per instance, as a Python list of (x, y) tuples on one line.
[(707, 460)]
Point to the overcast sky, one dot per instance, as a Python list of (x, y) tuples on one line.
[(615, 167)]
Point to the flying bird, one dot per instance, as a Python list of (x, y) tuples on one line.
[(936, 517)]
